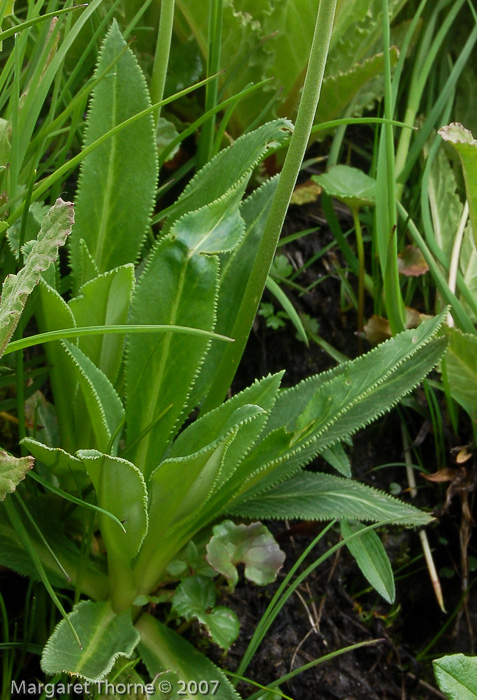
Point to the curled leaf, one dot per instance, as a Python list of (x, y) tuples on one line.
[(411, 262), (54, 230), (12, 471), (251, 545)]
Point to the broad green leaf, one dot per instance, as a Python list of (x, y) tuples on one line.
[(163, 650), (67, 468), (12, 471), (195, 597), (121, 490), (363, 80), (102, 412), (349, 185), (466, 146), (251, 545), (104, 636), (462, 370), (229, 167), (445, 204), (181, 486), (118, 179), (468, 267), (175, 288), (210, 426), (263, 39), (215, 228), (104, 300), (53, 313), (324, 410), (371, 558), (233, 283), (315, 496), (457, 676), (16, 289)]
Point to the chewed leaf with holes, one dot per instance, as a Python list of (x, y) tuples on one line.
[(54, 230), (195, 597), (12, 471), (252, 545), (104, 636)]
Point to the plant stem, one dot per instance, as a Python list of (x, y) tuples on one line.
[(360, 250), (161, 58), (206, 143), (291, 167)]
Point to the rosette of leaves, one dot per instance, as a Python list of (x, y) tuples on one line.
[(125, 406)]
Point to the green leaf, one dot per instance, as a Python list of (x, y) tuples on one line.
[(466, 146), (371, 558), (121, 490), (12, 471), (173, 499), (349, 185), (68, 469), (102, 412), (457, 676), (104, 300), (215, 228), (327, 408), (159, 374), (104, 636), (251, 545), (315, 496), (195, 598), (337, 457), (233, 283), (118, 179), (209, 427), (446, 207), (55, 228), (462, 371), (53, 313), (163, 650), (228, 167), (363, 80)]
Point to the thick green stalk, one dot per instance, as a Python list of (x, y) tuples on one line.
[(161, 58), (291, 167)]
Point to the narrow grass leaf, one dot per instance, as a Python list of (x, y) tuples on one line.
[(371, 557)]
